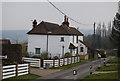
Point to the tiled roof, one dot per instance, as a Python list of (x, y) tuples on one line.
[(54, 29), (83, 43), (5, 41)]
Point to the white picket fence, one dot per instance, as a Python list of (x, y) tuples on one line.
[(14, 70), (33, 61), (61, 62), (52, 63)]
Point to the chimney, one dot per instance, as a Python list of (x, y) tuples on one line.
[(65, 23), (34, 23), (65, 18)]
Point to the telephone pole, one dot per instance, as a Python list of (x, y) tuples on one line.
[(94, 40)]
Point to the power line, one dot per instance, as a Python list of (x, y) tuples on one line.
[(66, 15)]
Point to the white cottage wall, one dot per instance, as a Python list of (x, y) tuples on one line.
[(55, 46), (37, 41)]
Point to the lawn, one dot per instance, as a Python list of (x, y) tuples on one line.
[(114, 60), (108, 68), (68, 66), (27, 77), (102, 77)]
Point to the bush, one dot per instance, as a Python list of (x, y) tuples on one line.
[(55, 57), (26, 54), (44, 55), (36, 56), (68, 54)]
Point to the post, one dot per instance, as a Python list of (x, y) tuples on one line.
[(104, 62), (39, 63), (74, 59), (54, 63), (99, 64), (71, 60), (16, 69), (67, 61), (77, 59), (74, 74), (1, 73), (90, 69), (28, 68), (94, 40), (59, 62)]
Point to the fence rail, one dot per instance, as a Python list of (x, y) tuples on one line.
[(14, 70), (61, 62), (51, 63), (33, 61)]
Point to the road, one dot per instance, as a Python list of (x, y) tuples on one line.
[(82, 71)]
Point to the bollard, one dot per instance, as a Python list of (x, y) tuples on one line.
[(104, 63), (74, 74), (90, 69), (99, 66)]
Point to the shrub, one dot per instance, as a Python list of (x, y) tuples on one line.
[(25, 54), (44, 55), (68, 54), (55, 57), (36, 56)]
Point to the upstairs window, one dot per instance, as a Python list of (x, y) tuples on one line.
[(37, 50), (81, 49), (62, 39)]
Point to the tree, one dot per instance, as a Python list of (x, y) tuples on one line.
[(115, 36), (109, 29)]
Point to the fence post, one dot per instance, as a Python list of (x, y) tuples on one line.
[(28, 68), (74, 59), (16, 69), (53, 63), (39, 63), (67, 61), (63, 61), (59, 62), (77, 59), (71, 60), (1, 72)]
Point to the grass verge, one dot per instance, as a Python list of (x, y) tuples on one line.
[(108, 68), (102, 76), (68, 66), (27, 77), (114, 60)]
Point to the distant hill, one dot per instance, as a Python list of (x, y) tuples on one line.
[(21, 36), (15, 35)]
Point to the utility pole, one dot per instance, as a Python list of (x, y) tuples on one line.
[(94, 40)]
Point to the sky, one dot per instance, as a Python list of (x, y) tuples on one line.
[(19, 15)]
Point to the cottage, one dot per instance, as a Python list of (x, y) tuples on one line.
[(55, 39)]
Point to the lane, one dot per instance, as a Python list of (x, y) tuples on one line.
[(82, 70)]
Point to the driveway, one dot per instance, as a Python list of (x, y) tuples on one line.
[(43, 72)]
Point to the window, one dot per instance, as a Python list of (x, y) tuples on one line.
[(37, 50), (62, 39), (71, 51), (76, 39), (81, 49)]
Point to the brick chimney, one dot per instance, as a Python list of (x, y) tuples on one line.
[(66, 23), (34, 23)]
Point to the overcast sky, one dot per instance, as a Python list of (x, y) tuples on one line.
[(18, 15)]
